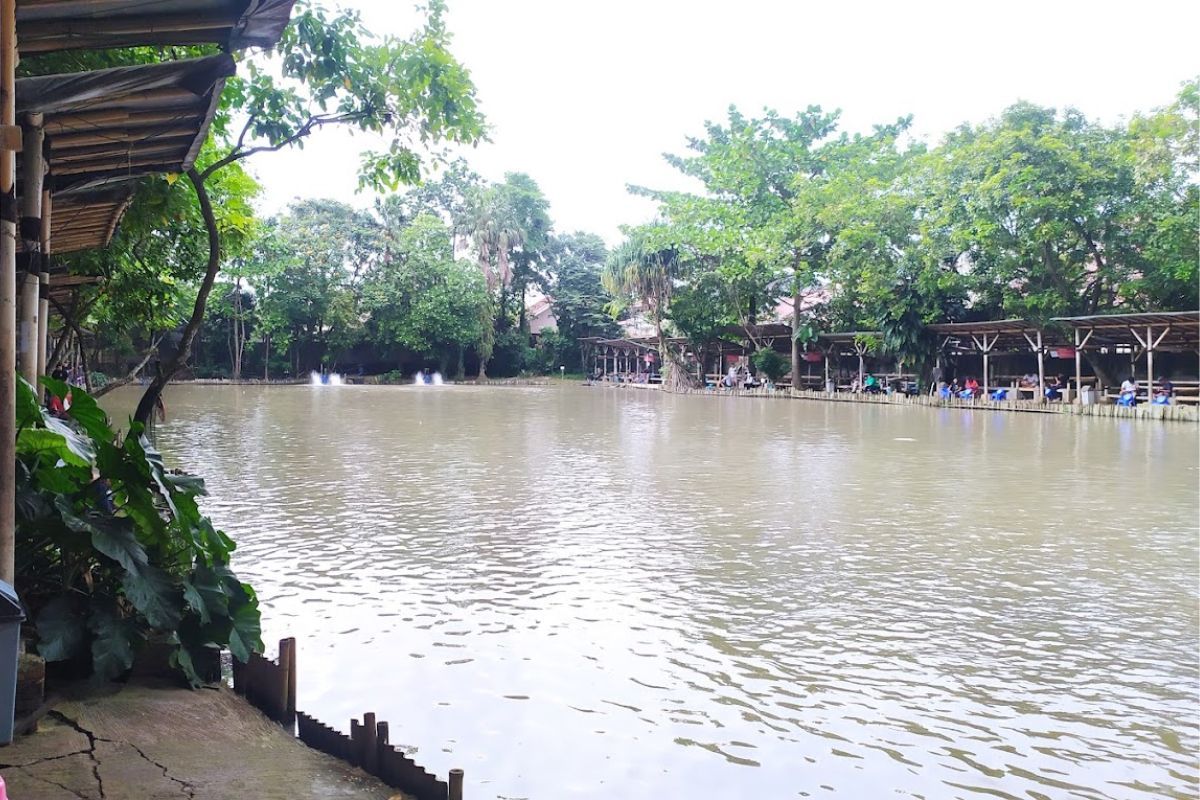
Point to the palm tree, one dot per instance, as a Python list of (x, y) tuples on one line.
[(488, 225), (642, 271)]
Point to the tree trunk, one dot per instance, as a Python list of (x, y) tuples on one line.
[(266, 357), (151, 397), (796, 336), (461, 369)]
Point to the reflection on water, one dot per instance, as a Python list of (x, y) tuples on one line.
[(596, 593)]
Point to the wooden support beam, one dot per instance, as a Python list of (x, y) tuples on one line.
[(8, 294)]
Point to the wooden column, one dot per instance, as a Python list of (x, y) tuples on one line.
[(30, 230), (1149, 364), (8, 287), (825, 388), (1041, 368)]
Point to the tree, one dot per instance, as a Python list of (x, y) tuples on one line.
[(1165, 149), (328, 248), (743, 227), (335, 72), (576, 292), (422, 299), (643, 270)]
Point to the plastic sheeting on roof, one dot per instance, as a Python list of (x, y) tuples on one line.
[(45, 26), (106, 128)]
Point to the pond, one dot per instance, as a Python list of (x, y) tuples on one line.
[(580, 592)]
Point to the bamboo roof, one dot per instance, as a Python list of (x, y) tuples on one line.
[(107, 128), (46, 26)]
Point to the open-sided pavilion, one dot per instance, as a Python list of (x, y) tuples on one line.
[(1144, 333), (994, 337)]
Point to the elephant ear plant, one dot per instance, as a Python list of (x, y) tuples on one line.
[(112, 549)]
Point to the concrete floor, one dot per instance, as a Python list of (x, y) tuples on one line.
[(148, 741)]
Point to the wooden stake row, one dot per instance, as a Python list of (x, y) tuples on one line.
[(271, 687)]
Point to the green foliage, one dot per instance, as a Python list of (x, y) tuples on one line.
[(418, 297), (770, 363), (112, 547), (575, 289), (329, 69)]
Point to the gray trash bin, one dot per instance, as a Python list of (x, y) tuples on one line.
[(12, 614)]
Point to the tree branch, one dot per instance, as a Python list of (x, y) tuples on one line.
[(150, 399), (132, 375)]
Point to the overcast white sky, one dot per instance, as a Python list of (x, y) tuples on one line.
[(586, 96)]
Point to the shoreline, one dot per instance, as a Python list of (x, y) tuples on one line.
[(1175, 413)]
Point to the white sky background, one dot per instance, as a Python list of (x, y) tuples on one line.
[(586, 96)]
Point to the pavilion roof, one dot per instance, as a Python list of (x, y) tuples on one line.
[(1166, 329), (45, 26), (996, 335), (107, 128)]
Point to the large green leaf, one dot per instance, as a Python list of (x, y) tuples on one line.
[(60, 628), (114, 639), (54, 446), (112, 536), (205, 595), (29, 410), (84, 409), (155, 595), (246, 636)]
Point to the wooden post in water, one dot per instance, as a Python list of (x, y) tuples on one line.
[(456, 785), (287, 659), (356, 743), (370, 744), (8, 287)]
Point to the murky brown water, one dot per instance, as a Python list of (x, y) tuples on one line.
[(595, 593)]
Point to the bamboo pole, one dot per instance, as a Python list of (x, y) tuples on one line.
[(27, 328), (287, 650), (8, 294), (33, 171), (44, 304)]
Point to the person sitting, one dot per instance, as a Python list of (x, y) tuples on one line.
[(1128, 395), (731, 378), (1055, 390), (971, 388), (1164, 391), (1028, 381), (871, 384), (954, 387)]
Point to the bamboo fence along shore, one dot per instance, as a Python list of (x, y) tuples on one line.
[(1178, 413)]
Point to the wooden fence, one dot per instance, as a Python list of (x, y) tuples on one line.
[(271, 687)]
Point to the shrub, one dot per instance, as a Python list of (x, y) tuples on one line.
[(112, 548)]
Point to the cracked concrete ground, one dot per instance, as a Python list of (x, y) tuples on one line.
[(147, 741)]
